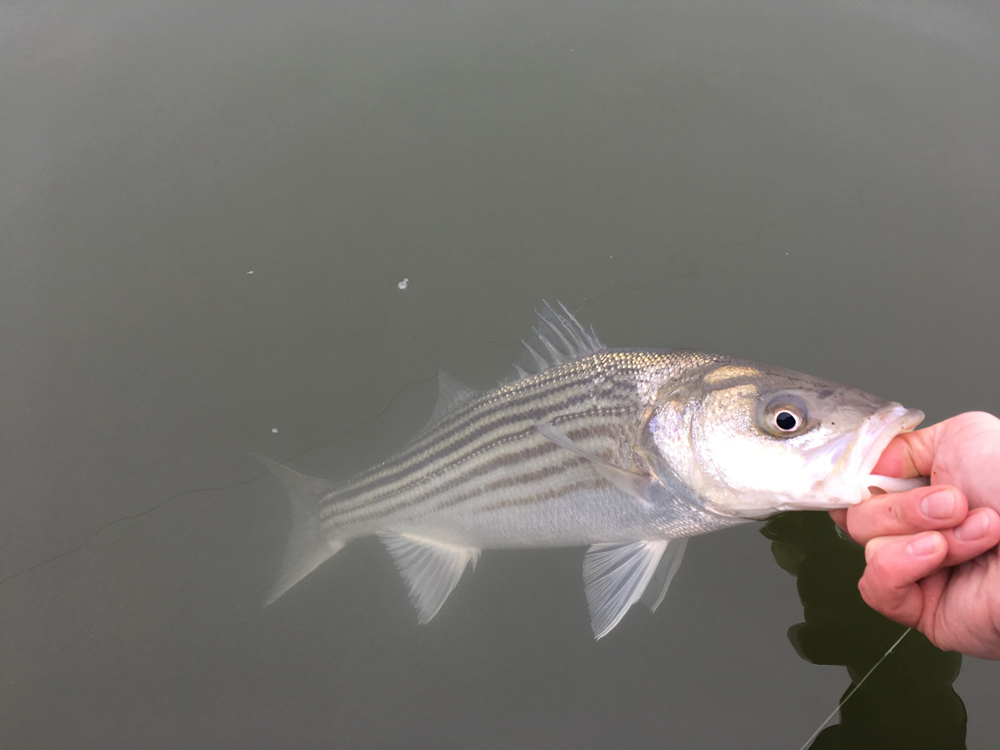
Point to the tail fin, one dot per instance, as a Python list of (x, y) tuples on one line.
[(308, 542)]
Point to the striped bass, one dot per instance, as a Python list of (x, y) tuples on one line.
[(627, 451)]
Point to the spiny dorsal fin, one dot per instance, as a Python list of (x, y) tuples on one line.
[(452, 393), (559, 338)]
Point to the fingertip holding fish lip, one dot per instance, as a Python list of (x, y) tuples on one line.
[(863, 454)]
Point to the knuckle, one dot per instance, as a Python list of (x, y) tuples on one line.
[(873, 594)]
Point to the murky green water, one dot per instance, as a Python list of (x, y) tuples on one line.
[(205, 211)]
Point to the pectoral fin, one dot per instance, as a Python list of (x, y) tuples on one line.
[(614, 577), (431, 569), (631, 482)]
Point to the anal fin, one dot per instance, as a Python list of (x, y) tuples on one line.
[(615, 576), (431, 569)]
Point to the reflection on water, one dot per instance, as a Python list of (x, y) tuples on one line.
[(908, 701)]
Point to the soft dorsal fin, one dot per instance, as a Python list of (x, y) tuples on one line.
[(452, 393), (559, 338), (431, 569), (614, 577)]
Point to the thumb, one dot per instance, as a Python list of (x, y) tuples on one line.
[(910, 454)]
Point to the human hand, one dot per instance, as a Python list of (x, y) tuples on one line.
[(932, 555)]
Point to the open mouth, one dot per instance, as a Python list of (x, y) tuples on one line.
[(866, 448)]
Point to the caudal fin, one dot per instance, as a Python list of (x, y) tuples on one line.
[(309, 544)]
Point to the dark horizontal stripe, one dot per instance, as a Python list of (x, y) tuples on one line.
[(500, 460), (386, 507), (506, 482), (459, 420), (575, 375), (513, 480), (552, 494), (577, 434), (443, 444), (549, 382)]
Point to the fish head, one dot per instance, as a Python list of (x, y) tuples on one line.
[(750, 440)]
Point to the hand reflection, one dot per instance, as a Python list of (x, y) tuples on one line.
[(908, 702)]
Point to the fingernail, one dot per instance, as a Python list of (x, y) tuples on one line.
[(975, 527), (939, 505), (923, 545)]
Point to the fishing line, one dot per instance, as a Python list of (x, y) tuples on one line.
[(152, 509), (854, 690)]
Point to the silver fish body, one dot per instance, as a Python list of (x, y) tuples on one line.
[(628, 451)]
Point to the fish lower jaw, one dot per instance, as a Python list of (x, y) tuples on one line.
[(764, 507), (831, 494), (818, 503), (844, 494), (838, 492)]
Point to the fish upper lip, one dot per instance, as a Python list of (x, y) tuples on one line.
[(885, 425)]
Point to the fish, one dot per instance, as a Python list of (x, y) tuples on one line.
[(628, 452)]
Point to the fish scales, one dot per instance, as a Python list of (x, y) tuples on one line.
[(480, 419), (628, 451), (596, 401)]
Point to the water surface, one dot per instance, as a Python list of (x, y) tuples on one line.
[(205, 212)]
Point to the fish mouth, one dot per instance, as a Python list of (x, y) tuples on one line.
[(851, 480)]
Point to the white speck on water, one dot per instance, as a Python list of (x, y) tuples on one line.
[(402, 284), (274, 429), (250, 272)]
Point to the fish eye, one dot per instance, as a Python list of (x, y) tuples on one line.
[(786, 420), (785, 417)]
